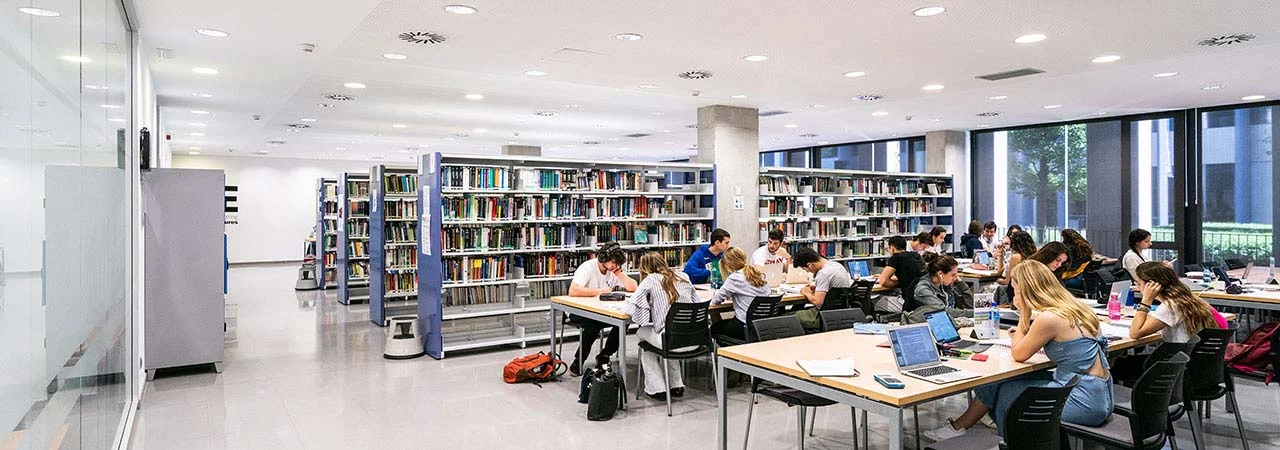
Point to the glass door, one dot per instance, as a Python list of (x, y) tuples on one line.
[(1154, 176)]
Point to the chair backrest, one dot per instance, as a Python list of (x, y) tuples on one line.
[(1165, 351), (778, 328), (1235, 263), (688, 324), (761, 308), (1192, 268), (841, 319), (1207, 371), (1151, 396), (1034, 420), (837, 298), (862, 297)]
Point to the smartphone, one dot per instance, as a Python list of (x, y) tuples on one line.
[(889, 381)]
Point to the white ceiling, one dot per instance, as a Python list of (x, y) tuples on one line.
[(263, 71)]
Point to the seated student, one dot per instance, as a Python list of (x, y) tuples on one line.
[(1069, 333), (659, 288), (1053, 255), (744, 283), (1180, 315), (700, 266), (1139, 240), (922, 242), (940, 289), (1020, 248), (772, 252), (939, 237), (903, 267), (599, 275), (971, 242), (1080, 255), (989, 241), (826, 275)]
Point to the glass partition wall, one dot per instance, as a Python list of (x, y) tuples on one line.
[(66, 299)]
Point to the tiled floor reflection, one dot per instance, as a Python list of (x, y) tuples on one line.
[(308, 373)]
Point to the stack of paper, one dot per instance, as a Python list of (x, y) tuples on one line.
[(828, 367)]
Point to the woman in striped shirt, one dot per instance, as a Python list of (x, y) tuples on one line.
[(659, 288)]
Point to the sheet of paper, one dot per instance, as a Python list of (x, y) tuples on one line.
[(842, 367), (871, 328), (1002, 341), (1110, 330)]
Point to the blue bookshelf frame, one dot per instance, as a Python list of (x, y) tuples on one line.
[(323, 232), (345, 284), (430, 265), (382, 299)]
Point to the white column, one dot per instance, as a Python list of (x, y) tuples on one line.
[(729, 137), (947, 151)]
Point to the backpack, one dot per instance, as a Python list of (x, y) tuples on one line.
[(537, 367), (1254, 354), (602, 393)]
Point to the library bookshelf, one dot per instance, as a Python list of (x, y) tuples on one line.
[(846, 215), (393, 241), (327, 220), (503, 234), (353, 238)]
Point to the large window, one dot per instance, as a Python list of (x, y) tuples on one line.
[(898, 155), (785, 158), (1238, 172), (1154, 183)]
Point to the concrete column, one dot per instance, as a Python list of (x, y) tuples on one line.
[(947, 151), (522, 150), (729, 137)]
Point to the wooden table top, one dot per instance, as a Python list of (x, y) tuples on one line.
[(781, 355), (1262, 293), (979, 276), (615, 309)]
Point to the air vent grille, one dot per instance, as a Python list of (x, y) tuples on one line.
[(987, 114), (544, 113), (696, 74), (809, 135), (636, 135), (298, 126), (772, 112), (1010, 74), (277, 142), (423, 37), (340, 97), (1227, 39), (590, 142), (869, 98)]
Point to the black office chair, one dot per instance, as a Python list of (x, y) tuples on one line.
[(1146, 429), (841, 319), (1209, 380), (760, 308), (1235, 263), (780, 328), (685, 336), (1034, 422), (838, 298), (1178, 407), (862, 297)]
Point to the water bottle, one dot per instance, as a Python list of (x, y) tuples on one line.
[(1208, 277), (1113, 307)]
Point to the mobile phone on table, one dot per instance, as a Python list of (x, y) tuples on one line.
[(889, 381)]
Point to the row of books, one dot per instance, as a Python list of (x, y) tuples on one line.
[(330, 275), (358, 248), (475, 208), (470, 238), (816, 229), (843, 249), (782, 206), (778, 185), (894, 206), (563, 207), (329, 242), (469, 177), (330, 191), (828, 185), (358, 207), (550, 265), (401, 209), (540, 290), (677, 232), (676, 257), (357, 269), (330, 225), (400, 232), (478, 295), (357, 188), (900, 187), (622, 207), (330, 208), (330, 259), (358, 228), (402, 257), (401, 282), (474, 268), (400, 184)]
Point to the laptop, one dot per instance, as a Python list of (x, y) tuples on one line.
[(915, 352), (859, 269), (1247, 269), (1223, 276), (944, 330), (982, 257), (775, 274)]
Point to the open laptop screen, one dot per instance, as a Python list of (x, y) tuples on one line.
[(913, 345), (943, 330)]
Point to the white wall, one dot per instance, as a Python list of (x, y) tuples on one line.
[(277, 201)]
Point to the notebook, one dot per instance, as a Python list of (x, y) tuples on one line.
[(842, 367)]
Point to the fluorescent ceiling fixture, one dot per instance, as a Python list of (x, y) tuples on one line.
[(997, 97), (880, 113), (77, 59), (193, 153), (201, 95), (1052, 106), (307, 120), (855, 74), (339, 148), (475, 97), (755, 58), (739, 96), (395, 56), (535, 73), (657, 113), (40, 12), (95, 87), (460, 9), (354, 85), (1029, 38), (928, 11), (197, 124), (479, 130), (212, 32), (648, 86), (399, 125), (573, 106), (110, 106), (197, 134), (1249, 98), (205, 70), (791, 125), (197, 111), (1165, 74), (628, 37), (664, 131), (1212, 87), (933, 87), (613, 139), (1106, 59)]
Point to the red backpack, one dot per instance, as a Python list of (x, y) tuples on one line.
[(1254, 354), (537, 367)]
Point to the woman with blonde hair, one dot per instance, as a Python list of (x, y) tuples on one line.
[(659, 288), (1069, 333), (744, 283)]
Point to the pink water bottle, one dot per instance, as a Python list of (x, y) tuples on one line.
[(1113, 307)]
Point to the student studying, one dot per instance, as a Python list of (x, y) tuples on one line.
[(659, 288), (701, 268), (744, 283), (600, 275), (826, 275)]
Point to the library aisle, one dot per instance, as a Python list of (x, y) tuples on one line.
[(305, 372)]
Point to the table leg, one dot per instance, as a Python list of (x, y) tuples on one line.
[(622, 359), (721, 399), (895, 430), (553, 338)]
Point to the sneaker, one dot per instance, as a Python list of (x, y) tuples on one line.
[(677, 392), (661, 396), (575, 369), (987, 422), (943, 433)]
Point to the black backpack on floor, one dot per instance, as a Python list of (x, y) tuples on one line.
[(602, 392)]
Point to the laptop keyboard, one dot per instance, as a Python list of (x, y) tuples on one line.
[(933, 371)]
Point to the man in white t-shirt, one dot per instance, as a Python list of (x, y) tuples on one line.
[(772, 252), (599, 275)]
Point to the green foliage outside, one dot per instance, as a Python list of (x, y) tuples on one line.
[(1224, 240), (1046, 161)]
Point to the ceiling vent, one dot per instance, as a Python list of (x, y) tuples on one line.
[(277, 142), (807, 135), (772, 112), (298, 126), (423, 37), (695, 75), (869, 98), (1010, 74), (340, 97), (987, 114), (1227, 39), (461, 135), (260, 152), (164, 53), (636, 135), (590, 142), (544, 113)]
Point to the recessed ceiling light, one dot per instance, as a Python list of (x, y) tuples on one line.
[(648, 86), (880, 113), (197, 134), (535, 73), (205, 70), (339, 148), (212, 32), (624, 148), (197, 124), (193, 153), (1165, 74), (669, 143), (194, 148), (664, 131), (855, 74), (76, 59), (200, 112), (395, 56), (399, 125), (1100, 113), (573, 106), (201, 95), (1249, 98), (475, 97), (110, 106), (814, 105), (1029, 38), (354, 85), (479, 130), (1212, 87), (1106, 59), (997, 97), (933, 87), (460, 9), (1052, 106), (307, 120), (95, 87), (928, 11), (628, 37), (738, 96), (823, 142), (613, 139), (657, 113), (40, 12), (755, 58), (791, 125)]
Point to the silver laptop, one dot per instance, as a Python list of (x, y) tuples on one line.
[(915, 351), (775, 274)]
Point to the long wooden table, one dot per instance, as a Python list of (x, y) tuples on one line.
[(1264, 296)]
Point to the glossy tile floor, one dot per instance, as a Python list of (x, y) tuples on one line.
[(308, 373)]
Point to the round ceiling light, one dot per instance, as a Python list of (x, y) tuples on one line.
[(791, 125), (460, 9), (1249, 98), (1106, 59), (200, 112), (1030, 38), (475, 97), (394, 56), (933, 87), (40, 12), (76, 59), (738, 96), (855, 74), (928, 11), (1165, 74), (308, 120), (205, 70), (1052, 106), (354, 85), (628, 37), (648, 86), (212, 32), (535, 73), (997, 97), (880, 113), (755, 58)]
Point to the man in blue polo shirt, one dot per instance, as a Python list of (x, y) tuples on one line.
[(700, 264)]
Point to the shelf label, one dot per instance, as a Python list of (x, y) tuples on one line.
[(424, 234)]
